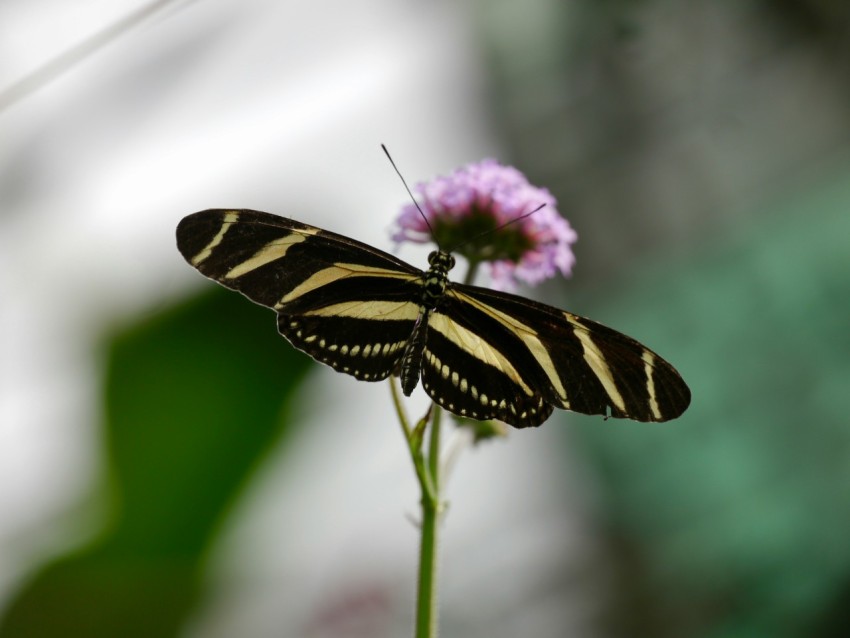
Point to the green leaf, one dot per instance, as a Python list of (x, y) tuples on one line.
[(194, 396)]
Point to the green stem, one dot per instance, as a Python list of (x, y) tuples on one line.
[(434, 449), (426, 596), (414, 443), (428, 473)]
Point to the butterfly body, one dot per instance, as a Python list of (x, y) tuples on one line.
[(479, 353)]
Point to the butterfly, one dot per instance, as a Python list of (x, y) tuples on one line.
[(480, 353)]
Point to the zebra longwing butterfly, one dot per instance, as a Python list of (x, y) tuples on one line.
[(480, 353)]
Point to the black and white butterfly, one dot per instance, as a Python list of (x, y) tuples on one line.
[(480, 353)]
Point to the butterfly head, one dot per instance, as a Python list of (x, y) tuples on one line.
[(441, 261)]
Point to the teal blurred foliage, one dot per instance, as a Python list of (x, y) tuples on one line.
[(734, 520), (195, 395)]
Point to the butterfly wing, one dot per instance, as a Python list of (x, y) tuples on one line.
[(471, 366), (491, 354), (344, 303)]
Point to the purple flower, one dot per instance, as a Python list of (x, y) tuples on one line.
[(467, 210)]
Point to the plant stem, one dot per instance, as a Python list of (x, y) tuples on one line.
[(428, 474), (434, 451), (426, 599), (426, 603)]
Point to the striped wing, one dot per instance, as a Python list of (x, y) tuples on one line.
[(490, 354), (342, 302)]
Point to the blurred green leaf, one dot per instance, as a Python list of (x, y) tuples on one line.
[(194, 396), (733, 520)]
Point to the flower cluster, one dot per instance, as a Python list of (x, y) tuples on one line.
[(478, 210)]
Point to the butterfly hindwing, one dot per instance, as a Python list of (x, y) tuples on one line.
[(471, 377), (355, 337)]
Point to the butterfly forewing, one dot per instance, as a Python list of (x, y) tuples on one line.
[(485, 354), (265, 257)]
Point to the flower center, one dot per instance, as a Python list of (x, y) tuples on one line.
[(477, 239)]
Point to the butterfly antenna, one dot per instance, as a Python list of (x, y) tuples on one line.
[(407, 188)]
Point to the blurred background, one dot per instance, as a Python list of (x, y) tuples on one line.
[(169, 466)]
